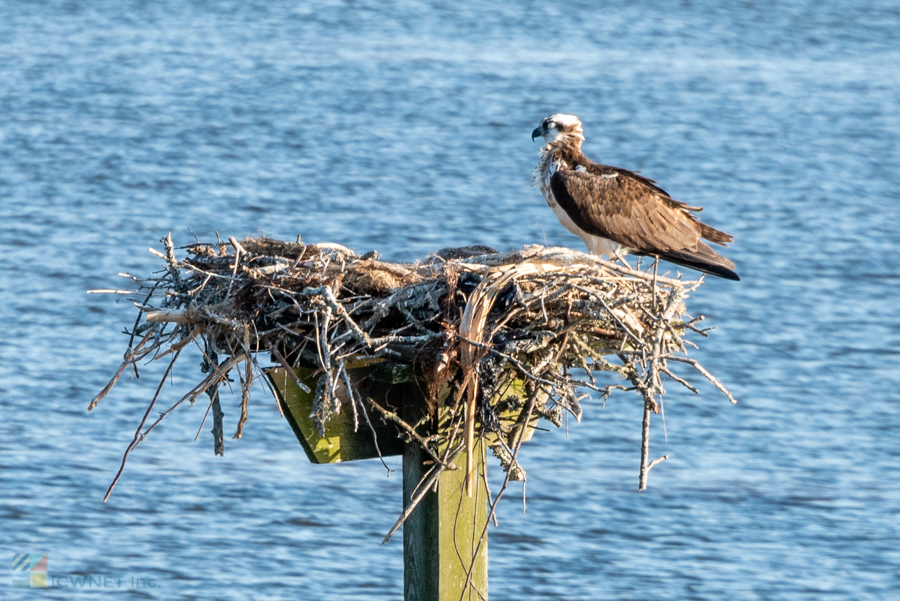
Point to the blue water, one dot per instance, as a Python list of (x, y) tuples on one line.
[(404, 127)]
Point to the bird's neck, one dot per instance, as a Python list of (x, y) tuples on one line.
[(559, 155), (565, 148)]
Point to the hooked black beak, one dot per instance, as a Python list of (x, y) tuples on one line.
[(536, 133)]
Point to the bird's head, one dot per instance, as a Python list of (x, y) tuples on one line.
[(557, 126)]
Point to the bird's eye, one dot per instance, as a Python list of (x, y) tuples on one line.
[(551, 125)]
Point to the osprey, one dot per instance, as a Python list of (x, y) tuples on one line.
[(616, 211)]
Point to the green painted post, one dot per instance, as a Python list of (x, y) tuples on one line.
[(342, 442), (442, 533)]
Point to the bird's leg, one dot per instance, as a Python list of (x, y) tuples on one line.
[(655, 265)]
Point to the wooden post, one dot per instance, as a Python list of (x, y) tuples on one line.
[(442, 533)]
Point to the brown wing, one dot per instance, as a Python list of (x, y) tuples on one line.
[(706, 232), (598, 169), (633, 211), (625, 210)]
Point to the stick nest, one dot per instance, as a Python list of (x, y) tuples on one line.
[(464, 322)]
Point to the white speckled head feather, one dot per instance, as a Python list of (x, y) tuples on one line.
[(558, 126), (564, 119)]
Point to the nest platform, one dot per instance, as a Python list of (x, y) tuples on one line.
[(444, 359)]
